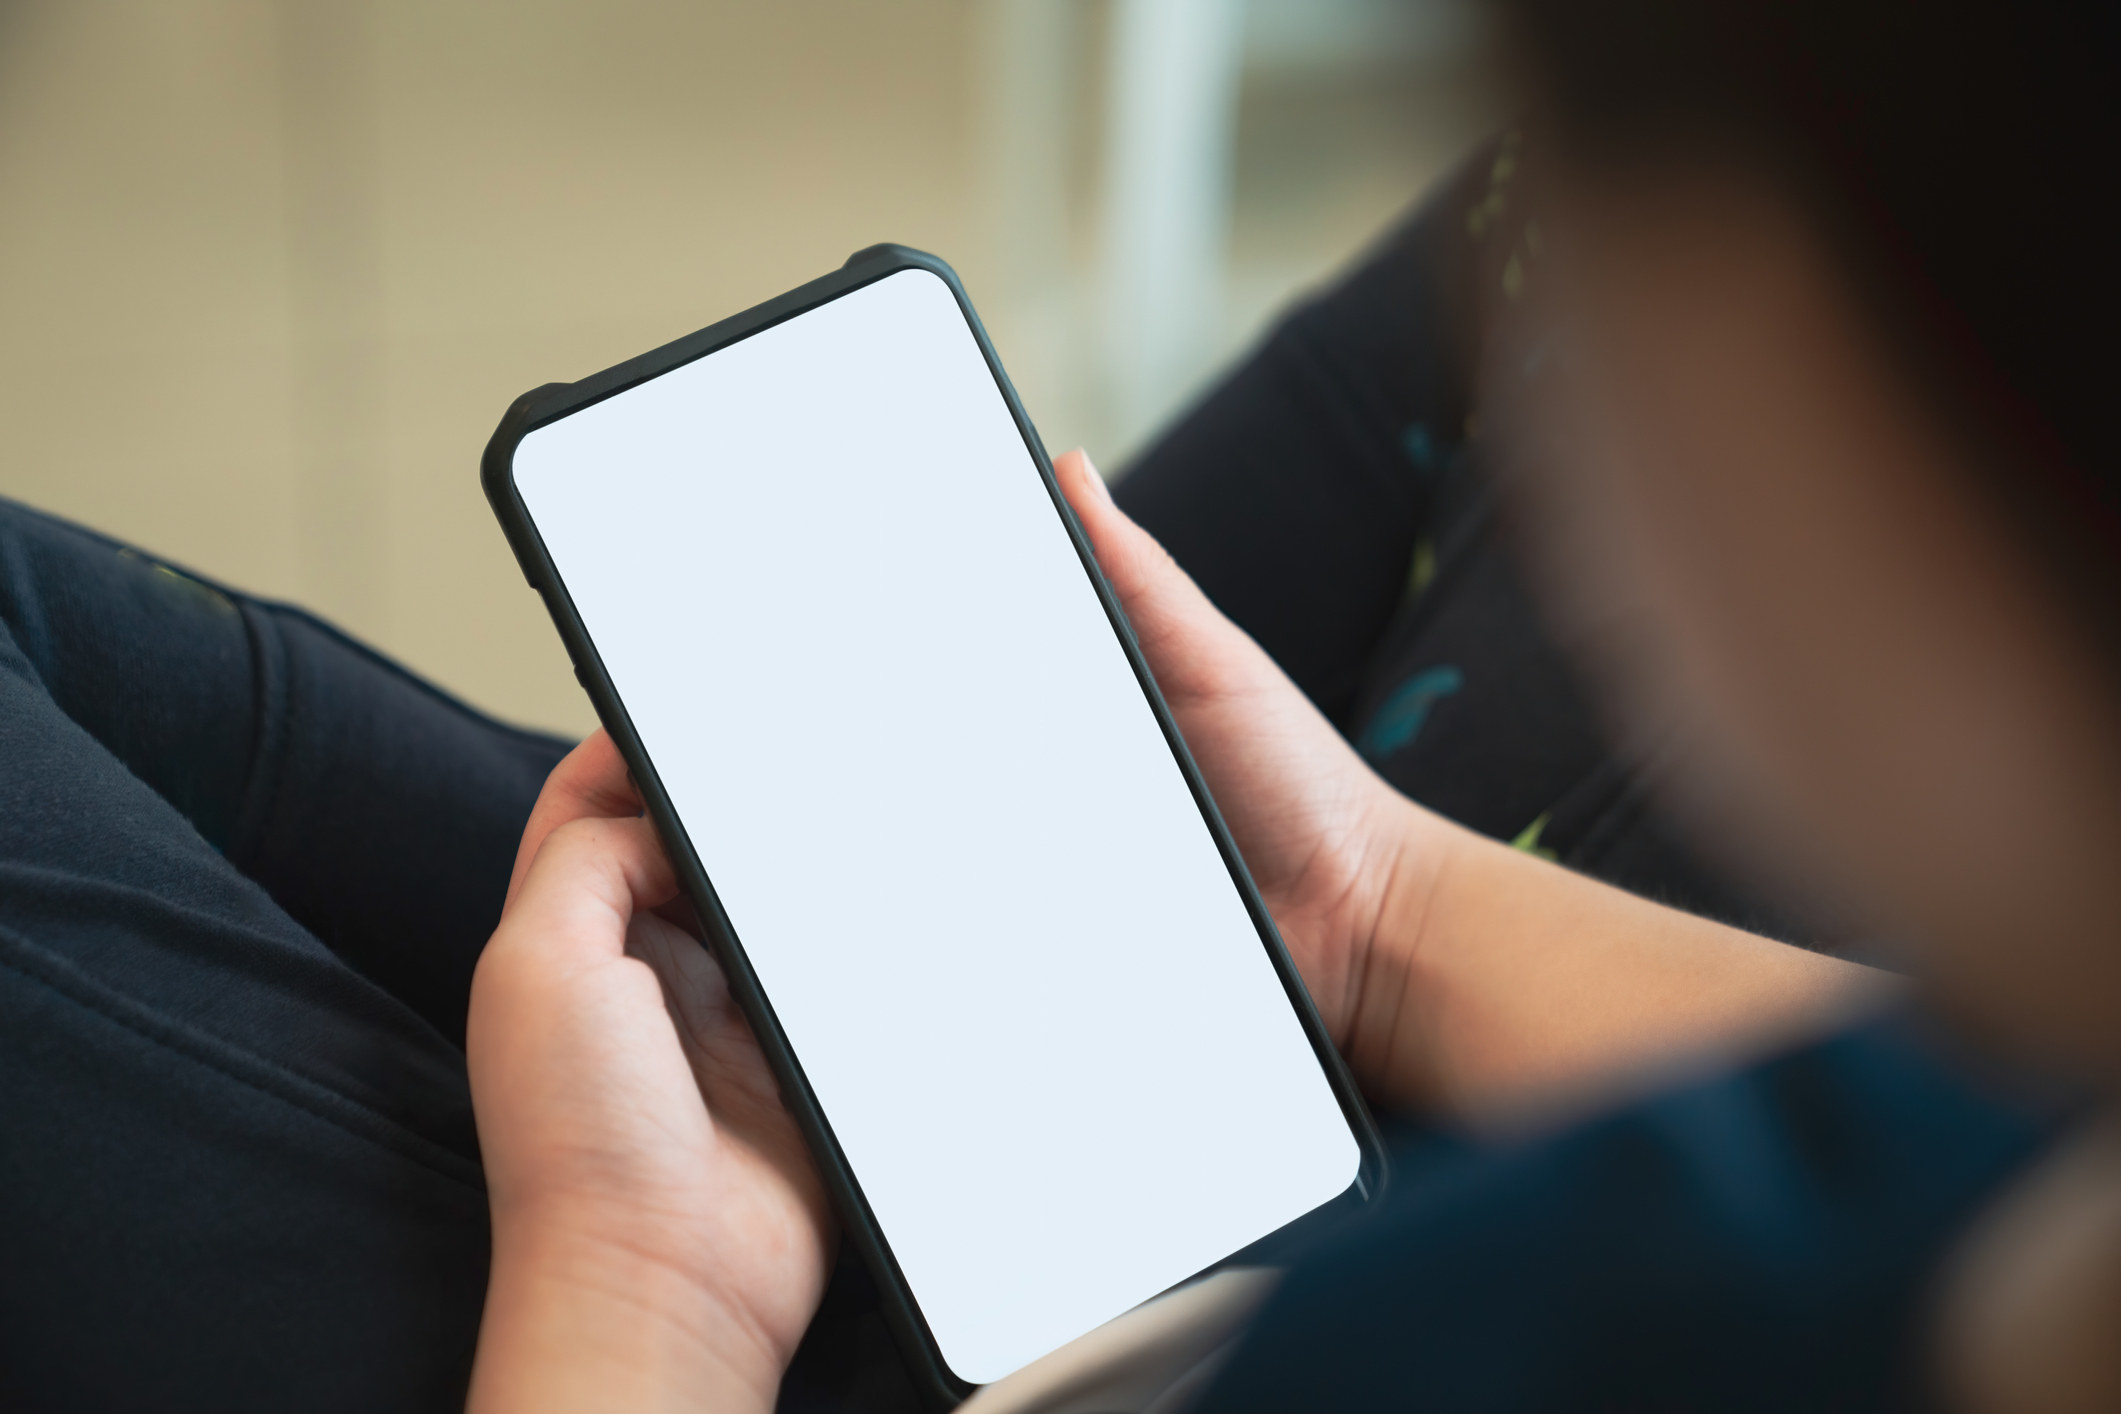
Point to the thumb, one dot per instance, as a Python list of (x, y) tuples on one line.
[(1158, 596), (591, 782), (1195, 652)]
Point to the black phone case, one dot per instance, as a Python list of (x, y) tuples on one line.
[(556, 400)]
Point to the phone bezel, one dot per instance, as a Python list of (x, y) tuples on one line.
[(553, 401)]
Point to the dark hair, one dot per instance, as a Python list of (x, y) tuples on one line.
[(1961, 154)]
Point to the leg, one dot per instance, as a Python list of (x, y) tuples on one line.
[(240, 1172), (1331, 497), (380, 813), (1294, 493), (236, 1173)]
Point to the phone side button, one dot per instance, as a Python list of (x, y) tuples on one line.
[(589, 692)]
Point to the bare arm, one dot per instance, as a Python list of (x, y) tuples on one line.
[(1454, 972), (1501, 981)]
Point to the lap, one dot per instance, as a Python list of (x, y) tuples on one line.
[(239, 1164)]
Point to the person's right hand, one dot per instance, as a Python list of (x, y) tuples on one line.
[(1452, 970), (1334, 849)]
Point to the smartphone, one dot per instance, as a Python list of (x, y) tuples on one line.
[(938, 825)]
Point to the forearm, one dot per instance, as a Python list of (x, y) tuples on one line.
[(574, 1325), (1499, 983)]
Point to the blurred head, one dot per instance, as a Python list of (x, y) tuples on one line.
[(1804, 382)]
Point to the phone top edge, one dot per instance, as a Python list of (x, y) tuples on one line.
[(556, 400)]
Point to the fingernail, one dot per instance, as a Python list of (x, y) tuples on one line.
[(1097, 478)]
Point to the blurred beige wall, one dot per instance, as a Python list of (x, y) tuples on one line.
[(270, 270)]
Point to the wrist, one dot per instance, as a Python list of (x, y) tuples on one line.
[(578, 1316), (1392, 1018)]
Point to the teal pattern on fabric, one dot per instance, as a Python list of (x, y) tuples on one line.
[(1420, 446), (1406, 711)]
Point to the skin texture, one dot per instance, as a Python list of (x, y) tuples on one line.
[(660, 1235), (1454, 973), (658, 1232)]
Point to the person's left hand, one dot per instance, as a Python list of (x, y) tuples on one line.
[(660, 1232)]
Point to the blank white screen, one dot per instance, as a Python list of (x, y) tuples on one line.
[(849, 626)]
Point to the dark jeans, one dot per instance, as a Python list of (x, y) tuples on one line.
[(246, 867)]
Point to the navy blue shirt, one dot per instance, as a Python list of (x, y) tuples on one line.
[(1764, 1240)]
